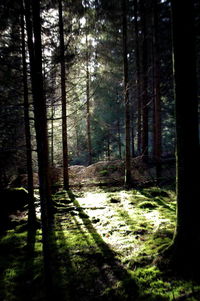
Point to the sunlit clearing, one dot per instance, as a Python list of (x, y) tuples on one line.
[(93, 199)]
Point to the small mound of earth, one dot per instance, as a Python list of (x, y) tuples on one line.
[(101, 172)]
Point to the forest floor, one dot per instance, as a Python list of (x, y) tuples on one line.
[(105, 243)]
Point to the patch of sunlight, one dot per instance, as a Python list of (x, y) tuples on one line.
[(138, 194), (155, 218), (123, 194), (92, 199)]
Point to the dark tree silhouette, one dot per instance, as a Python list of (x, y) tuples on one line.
[(144, 83), (33, 24), (32, 215), (156, 90), (185, 249)]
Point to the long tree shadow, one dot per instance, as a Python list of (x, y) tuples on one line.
[(69, 274), (117, 282), (63, 272), (18, 267)]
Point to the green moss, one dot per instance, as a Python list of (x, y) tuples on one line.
[(147, 205), (151, 284), (103, 172), (107, 260), (113, 198), (165, 204)]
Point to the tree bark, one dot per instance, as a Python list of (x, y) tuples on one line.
[(119, 139), (31, 205), (88, 104), (52, 135), (33, 24), (108, 145), (128, 178), (132, 136), (64, 102), (186, 244), (138, 76), (144, 95), (156, 92)]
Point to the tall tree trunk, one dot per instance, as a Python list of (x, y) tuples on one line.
[(156, 92), (108, 145), (132, 137), (88, 103), (138, 75), (128, 178), (144, 95), (64, 103), (119, 139), (52, 134), (35, 53), (31, 205), (186, 245)]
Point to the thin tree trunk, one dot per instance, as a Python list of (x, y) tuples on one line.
[(128, 178), (88, 104), (144, 95), (108, 145), (132, 137), (52, 135), (77, 141), (156, 92), (138, 75), (64, 103), (88, 118), (119, 139), (31, 211)]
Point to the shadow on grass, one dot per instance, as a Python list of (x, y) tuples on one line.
[(20, 270), (109, 280)]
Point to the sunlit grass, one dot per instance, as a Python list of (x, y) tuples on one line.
[(104, 244)]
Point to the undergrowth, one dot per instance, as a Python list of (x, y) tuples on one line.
[(104, 247)]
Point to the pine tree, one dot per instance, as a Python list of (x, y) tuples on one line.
[(33, 24), (186, 244), (128, 179), (32, 214), (64, 101)]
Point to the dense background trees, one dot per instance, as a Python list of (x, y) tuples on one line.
[(93, 68)]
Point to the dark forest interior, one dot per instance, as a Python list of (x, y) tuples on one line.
[(99, 150)]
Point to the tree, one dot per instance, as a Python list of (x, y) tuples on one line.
[(63, 95), (156, 91), (186, 244), (88, 95), (128, 180), (144, 95), (33, 24), (32, 215), (138, 75)]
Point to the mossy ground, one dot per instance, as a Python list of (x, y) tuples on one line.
[(104, 243)]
